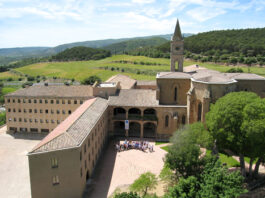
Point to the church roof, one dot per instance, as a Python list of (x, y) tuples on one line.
[(134, 97), (177, 34), (75, 128), (176, 75), (125, 81)]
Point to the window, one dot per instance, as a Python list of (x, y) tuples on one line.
[(81, 173), (75, 101), (51, 101), (47, 121), (63, 101), (35, 101), (55, 180), (30, 110), (19, 110), (52, 112), (8, 100), (85, 148), (69, 101), (46, 101), (52, 121), (30, 120), (41, 121), (25, 119), (183, 120), (29, 100), (69, 112), (14, 100), (24, 101), (63, 111), (18, 100), (25, 110), (54, 162), (19, 119), (57, 102), (199, 112), (14, 110), (15, 119), (40, 101), (40, 110), (58, 121), (9, 110), (175, 94), (35, 111), (81, 101), (166, 121), (58, 111), (46, 111), (36, 120), (88, 143), (85, 164)]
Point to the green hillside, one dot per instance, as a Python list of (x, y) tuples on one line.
[(132, 44), (138, 67), (81, 53)]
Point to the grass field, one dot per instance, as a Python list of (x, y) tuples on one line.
[(82, 69), (9, 89), (230, 161)]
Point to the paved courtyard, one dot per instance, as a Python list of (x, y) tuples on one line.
[(122, 168), (14, 179)]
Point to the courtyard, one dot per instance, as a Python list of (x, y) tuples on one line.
[(14, 180)]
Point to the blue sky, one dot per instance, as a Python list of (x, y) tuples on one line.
[(54, 22)]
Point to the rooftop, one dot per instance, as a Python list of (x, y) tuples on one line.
[(75, 128), (146, 82), (134, 97), (55, 91), (176, 75), (125, 81)]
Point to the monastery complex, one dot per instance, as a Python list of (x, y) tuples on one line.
[(78, 120)]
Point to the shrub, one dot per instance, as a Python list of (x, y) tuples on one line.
[(91, 80), (10, 79), (31, 78)]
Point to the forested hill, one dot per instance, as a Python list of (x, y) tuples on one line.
[(249, 42), (81, 53), (232, 46), (132, 44)]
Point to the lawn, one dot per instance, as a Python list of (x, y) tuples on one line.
[(160, 143), (230, 161), (165, 148), (105, 68), (9, 89)]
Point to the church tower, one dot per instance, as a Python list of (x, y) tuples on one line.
[(177, 49)]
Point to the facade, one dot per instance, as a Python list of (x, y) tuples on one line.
[(77, 120)]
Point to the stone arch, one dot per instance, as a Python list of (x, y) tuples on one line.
[(134, 114), (119, 112), (150, 114), (199, 118), (183, 120), (134, 129), (166, 121), (149, 130), (119, 128)]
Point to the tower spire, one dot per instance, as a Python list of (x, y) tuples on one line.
[(177, 34)]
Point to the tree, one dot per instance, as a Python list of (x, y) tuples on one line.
[(183, 154), (91, 80), (214, 182), (254, 128), (224, 121), (145, 182), (126, 195)]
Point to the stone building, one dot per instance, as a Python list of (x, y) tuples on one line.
[(78, 119)]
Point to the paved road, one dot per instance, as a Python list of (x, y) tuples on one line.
[(14, 173)]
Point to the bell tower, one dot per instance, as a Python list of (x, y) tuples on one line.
[(177, 49)]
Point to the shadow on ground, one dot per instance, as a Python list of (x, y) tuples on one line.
[(98, 185)]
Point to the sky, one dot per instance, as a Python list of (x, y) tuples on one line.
[(54, 22)]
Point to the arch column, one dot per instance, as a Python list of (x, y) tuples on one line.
[(142, 130)]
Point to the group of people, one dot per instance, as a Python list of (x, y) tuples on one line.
[(140, 145)]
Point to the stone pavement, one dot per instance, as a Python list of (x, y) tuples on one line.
[(14, 172)]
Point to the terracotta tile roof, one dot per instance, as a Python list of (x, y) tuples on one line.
[(134, 97), (54, 91), (146, 82), (176, 75), (75, 128), (125, 81)]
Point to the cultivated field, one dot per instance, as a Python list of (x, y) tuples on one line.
[(138, 67)]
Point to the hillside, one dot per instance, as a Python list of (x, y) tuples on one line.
[(132, 44), (138, 67), (80, 54)]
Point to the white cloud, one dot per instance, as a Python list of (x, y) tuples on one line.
[(202, 14), (143, 1)]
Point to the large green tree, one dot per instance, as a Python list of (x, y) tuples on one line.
[(224, 122), (145, 182)]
